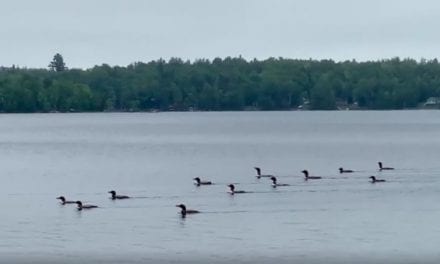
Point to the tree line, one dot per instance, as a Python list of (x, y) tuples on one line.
[(221, 84)]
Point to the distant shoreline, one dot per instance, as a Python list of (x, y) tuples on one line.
[(229, 84), (222, 111)]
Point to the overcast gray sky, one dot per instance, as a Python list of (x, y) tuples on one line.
[(119, 32)]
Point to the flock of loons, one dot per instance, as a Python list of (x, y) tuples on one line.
[(198, 182)]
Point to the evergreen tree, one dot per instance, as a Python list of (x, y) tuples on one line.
[(57, 64)]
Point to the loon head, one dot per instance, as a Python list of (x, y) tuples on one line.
[(232, 187), (306, 173), (79, 203), (197, 179), (273, 179), (380, 165), (341, 169), (62, 199), (181, 206), (258, 171), (372, 178)]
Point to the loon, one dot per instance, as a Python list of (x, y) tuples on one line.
[(259, 175), (118, 197), (85, 206), (341, 170), (200, 182), (374, 180), (307, 177), (384, 168), (232, 189), (64, 201), (275, 184), (184, 211)]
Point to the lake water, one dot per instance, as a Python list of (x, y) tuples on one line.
[(154, 156)]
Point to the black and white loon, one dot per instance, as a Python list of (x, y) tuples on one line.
[(341, 170), (185, 211), (259, 175), (374, 180), (199, 182), (232, 189), (384, 168), (64, 201), (85, 206), (307, 177), (118, 197), (275, 184)]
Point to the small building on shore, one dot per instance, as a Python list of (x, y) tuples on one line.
[(432, 102)]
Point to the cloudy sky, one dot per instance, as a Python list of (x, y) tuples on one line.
[(119, 32)]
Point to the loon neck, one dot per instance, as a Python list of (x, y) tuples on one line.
[(258, 171), (182, 209), (113, 193)]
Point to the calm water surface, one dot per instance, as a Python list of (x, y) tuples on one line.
[(154, 157)]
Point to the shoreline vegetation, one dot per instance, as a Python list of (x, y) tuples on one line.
[(229, 84)]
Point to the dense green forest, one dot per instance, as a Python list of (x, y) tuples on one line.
[(221, 84)]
